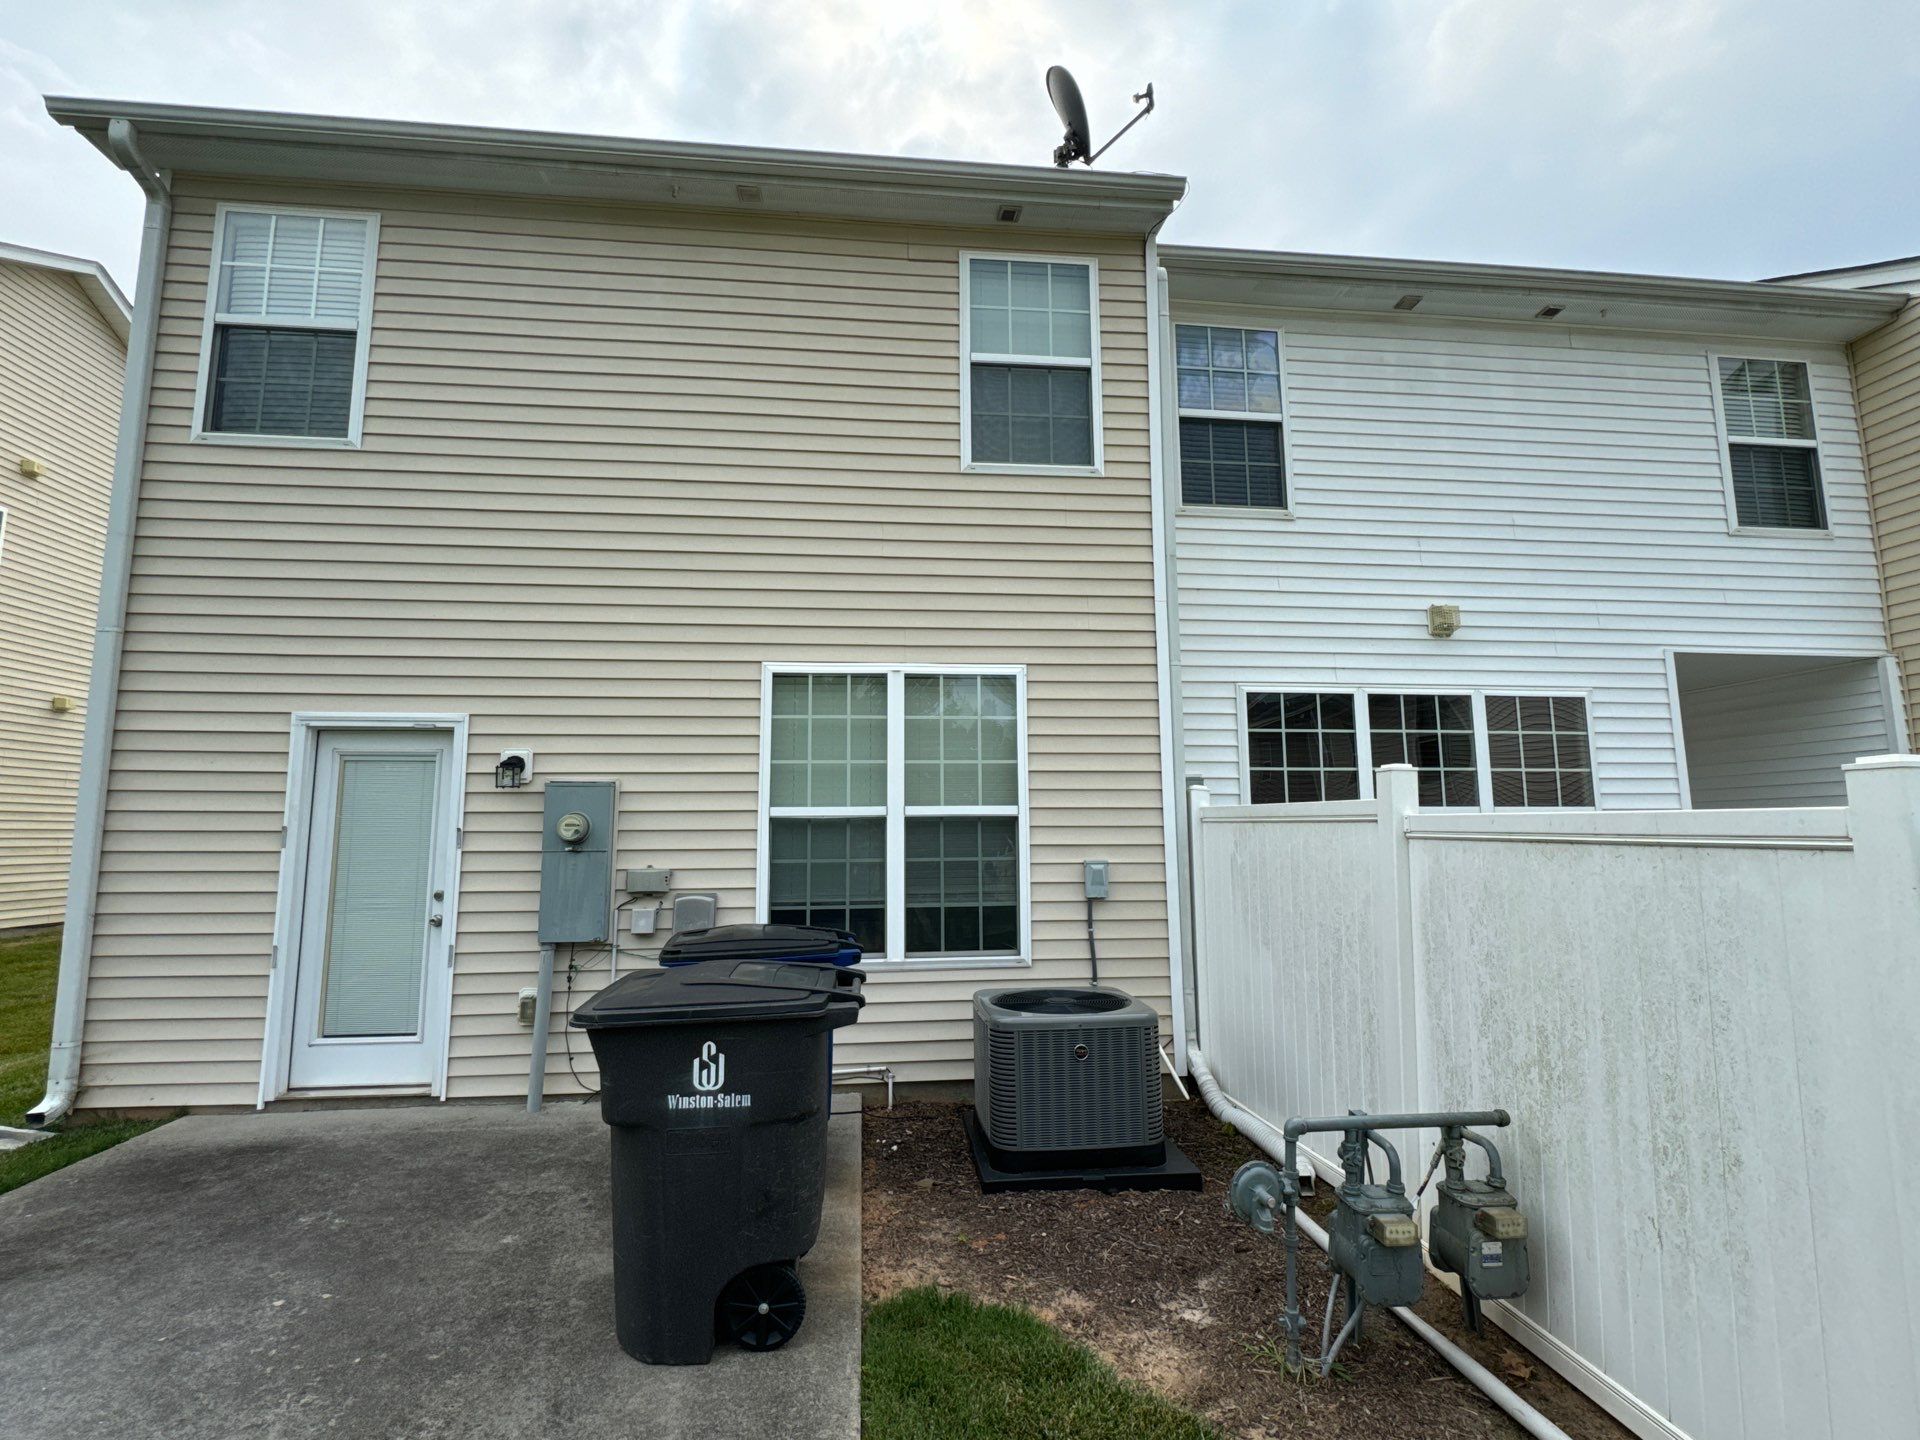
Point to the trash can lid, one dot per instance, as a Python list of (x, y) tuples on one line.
[(763, 942), (722, 990)]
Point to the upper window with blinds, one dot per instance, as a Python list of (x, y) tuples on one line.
[(1773, 458), (284, 352), (1030, 337), (1230, 417)]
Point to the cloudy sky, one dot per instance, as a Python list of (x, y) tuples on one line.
[(1737, 138)]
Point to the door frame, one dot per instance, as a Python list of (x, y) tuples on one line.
[(303, 750)]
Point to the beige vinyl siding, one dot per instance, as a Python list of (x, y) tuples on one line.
[(614, 461), (60, 368), (1886, 381)]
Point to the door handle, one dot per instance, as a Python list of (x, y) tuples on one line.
[(435, 920)]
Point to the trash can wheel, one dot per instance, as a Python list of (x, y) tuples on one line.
[(762, 1308)]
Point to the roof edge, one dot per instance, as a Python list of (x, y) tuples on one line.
[(95, 280), (1755, 294), (1150, 192)]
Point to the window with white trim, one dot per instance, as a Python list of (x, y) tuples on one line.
[(894, 809), (1772, 452), (1031, 331), (1231, 450), (1304, 745), (1538, 751), (285, 344)]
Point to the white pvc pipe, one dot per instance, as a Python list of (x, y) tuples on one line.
[(1272, 1140), (103, 684)]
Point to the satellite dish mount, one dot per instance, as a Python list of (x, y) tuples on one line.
[(1072, 110)]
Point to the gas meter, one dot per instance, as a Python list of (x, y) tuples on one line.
[(1478, 1231)]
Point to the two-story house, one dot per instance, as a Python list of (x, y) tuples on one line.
[(63, 348), (809, 497)]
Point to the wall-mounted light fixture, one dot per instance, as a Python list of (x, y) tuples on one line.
[(31, 468), (1442, 620), (514, 770), (60, 704)]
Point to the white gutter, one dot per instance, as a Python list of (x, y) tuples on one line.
[(1274, 1143), (103, 686), (1166, 644)]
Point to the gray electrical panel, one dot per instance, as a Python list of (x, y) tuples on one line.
[(576, 862)]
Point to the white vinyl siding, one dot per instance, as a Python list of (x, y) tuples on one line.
[(284, 344), (1781, 741), (60, 373), (616, 461), (1564, 488)]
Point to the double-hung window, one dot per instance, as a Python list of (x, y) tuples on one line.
[(895, 808), (1231, 450), (1773, 457), (1031, 342), (1307, 745), (284, 352)]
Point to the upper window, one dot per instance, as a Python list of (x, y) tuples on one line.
[(918, 853), (285, 347), (1230, 421), (1772, 453), (1308, 745), (1032, 387)]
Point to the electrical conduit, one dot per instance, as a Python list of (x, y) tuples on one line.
[(1270, 1139)]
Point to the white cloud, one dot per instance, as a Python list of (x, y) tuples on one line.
[(1706, 136)]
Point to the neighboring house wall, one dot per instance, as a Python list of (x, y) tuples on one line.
[(1886, 380), (1781, 740), (1564, 487), (60, 369), (615, 461)]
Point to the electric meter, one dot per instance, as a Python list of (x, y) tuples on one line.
[(572, 827)]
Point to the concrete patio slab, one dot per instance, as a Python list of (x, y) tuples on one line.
[(427, 1271)]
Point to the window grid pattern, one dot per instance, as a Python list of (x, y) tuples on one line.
[(1771, 451), (270, 381), (1032, 415), (1037, 308), (1432, 733), (829, 743), (832, 873), (1222, 368), (1228, 462), (1537, 748), (963, 892), (962, 741), (1302, 746), (284, 267), (897, 841)]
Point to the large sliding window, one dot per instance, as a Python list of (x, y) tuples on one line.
[(1471, 750), (895, 808), (284, 349), (1230, 417), (1031, 343)]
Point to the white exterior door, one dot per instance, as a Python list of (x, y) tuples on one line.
[(372, 982)]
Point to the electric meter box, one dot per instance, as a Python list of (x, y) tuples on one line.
[(576, 862)]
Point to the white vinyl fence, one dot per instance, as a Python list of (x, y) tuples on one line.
[(1704, 1024)]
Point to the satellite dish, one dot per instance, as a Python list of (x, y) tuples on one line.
[(1072, 110)]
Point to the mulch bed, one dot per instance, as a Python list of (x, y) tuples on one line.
[(1175, 1293)]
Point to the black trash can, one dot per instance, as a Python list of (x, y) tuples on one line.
[(815, 944), (714, 1079)]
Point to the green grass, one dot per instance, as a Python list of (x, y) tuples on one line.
[(27, 970), (945, 1367)]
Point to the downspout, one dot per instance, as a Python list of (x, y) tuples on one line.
[(1274, 1141), (103, 685), (1165, 427), (1166, 652)]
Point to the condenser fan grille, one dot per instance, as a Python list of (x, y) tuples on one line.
[(1063, 1002)]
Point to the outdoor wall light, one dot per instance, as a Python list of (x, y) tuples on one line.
[(514, 770)]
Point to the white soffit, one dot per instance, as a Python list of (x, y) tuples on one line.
[(1257, 279)]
